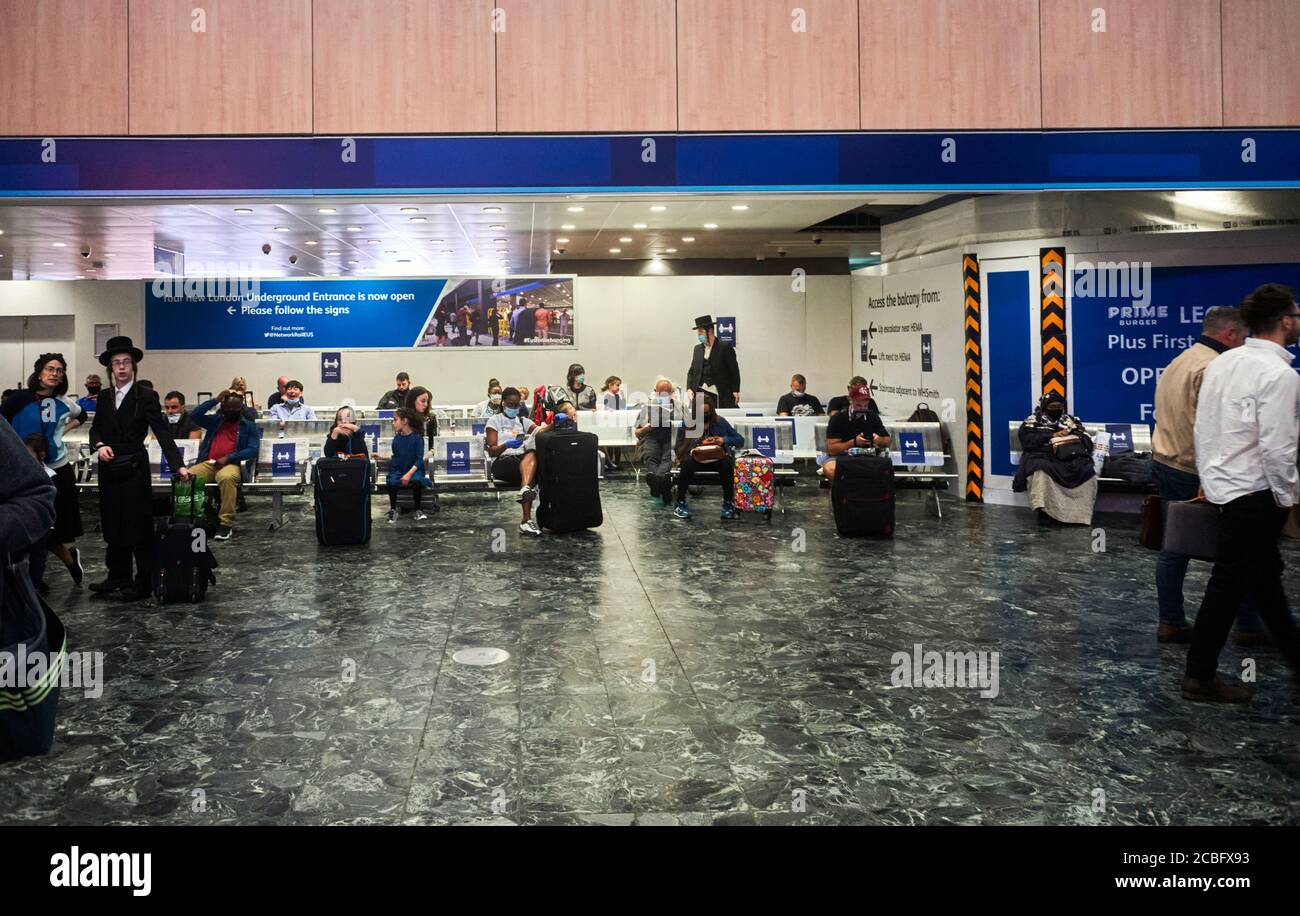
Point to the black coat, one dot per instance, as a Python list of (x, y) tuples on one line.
[(1036, 454), (26, 497), (124, 494), (723, 367)]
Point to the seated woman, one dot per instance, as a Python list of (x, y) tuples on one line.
[(345, 437), (485, 409), (717, 434), (1056, 465)]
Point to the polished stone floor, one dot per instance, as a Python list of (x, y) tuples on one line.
[(660, 672)]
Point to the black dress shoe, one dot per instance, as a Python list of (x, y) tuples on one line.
[(109, 585), (135, 593)]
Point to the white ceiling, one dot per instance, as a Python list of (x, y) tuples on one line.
[(44, 240)]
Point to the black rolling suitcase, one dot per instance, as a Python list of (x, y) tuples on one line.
[(568, 496), (183, 558), (342, 489), (862, 496)]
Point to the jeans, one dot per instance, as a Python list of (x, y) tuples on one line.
[(1171, 568), (1249, 562)]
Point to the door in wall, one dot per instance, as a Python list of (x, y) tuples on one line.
[(24, 338)]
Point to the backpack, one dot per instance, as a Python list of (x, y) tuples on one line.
[(543, 406), (923, 414)]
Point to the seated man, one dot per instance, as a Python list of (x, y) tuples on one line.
[(280, 384), (1056, 465), (853, 430), (510, 443), (841, 403), (175, 413), (91, 400), (292, 406), (654, 433), (799, 403), (714, 431), (397, 397), (231, 438)]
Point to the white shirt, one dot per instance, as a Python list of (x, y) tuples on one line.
[(509, 428), (1248, 425), (120, 393), (300, 411)]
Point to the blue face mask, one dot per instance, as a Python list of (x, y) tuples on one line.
[(664, 400), (581, 380), (701, 338), (511, 412), (293, 402)]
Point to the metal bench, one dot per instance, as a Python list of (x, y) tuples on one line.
[(918, 448), (1139, 440)]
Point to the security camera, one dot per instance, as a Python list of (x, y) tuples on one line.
[(561, 250), (85, 251), (293, 259), (781, 252), (266, 248), (817, 239), (759, 257)]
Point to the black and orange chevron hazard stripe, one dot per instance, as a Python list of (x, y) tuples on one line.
[(970, 277), (1052, 315)]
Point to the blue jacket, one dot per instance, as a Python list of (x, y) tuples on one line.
[(408, 452), (718, 427), (247, 443)]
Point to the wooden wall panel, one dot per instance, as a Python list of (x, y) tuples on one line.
[(249, 72), (1156, 65), (404, 66), (1260, 42), (62, 67), (950, 64), (617, 70), (742, 66)]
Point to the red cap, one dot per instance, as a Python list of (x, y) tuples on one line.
[(860, 393)]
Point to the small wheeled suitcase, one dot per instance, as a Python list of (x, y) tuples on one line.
[(568, 466), (341, 489), (862, 496), (183, 558), (754, 482)]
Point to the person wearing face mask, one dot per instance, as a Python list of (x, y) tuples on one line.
[(179, 418), (799, 403), (230, 439), (576, 390), (713, 366), (714, 431), (1056, 466), (292, 406), (93, 385), (854, 429), (654, 433), (492, 405), (509, 440)]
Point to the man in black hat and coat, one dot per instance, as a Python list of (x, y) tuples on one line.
[(127, 408), (713, 366)]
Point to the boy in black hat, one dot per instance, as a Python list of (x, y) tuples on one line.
[(713, 366), (125, 411)]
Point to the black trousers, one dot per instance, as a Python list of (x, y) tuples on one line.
[(127, 523), (1249, 562), (726, 472)]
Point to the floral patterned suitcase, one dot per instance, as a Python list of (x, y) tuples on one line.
[(754, 482)]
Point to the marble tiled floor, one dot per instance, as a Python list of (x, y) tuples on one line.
[(660, 672)]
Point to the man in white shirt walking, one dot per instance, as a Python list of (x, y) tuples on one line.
[(1247, 429)]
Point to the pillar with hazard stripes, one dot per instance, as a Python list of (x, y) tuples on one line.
[(970, 276), (1052, 319)]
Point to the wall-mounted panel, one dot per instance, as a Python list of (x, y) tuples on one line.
[(404, 66), (62, 67), (767, 65), (1156, 63), (950, 64), (221, 66), (1260, 38), (617, 70)]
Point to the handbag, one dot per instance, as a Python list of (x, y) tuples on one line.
[(1068, 447), (187, 498), (28, 625), (1152, 532), (707, 454), (1192, 529), (121, 467)]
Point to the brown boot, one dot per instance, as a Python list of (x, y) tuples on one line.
[(1214, 691), (1172, 632), (1251, 638)]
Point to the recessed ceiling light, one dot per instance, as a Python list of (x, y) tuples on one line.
[(354, 228), (60, 244), (575, 209), (403, 260), (390, 252), (243, 210), (569, 227), (491, 209), (615, 250), (625, 239), (875, 253), (436, 241), (562, 241), (372, 241), (354, 262), (740, 206), (419, 219), (312, 242), (47, 263), (638, 225), (410, 209), (500, 241), (327, 210), (2, 232), (334, 254), (688, 238), (658, 208), (670, 250), (447, 251), (710, 225), (281, 228), (497, 228)]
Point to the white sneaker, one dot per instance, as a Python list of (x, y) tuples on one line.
[(419, 515), (530, 528), (392, 516), (526, 494)]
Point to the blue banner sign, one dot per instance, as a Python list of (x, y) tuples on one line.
[(458, 457), (912, 445), (331, 368), (727, 330), (283, 459), (765, 441)]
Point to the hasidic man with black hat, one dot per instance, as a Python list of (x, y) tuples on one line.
[(713, 366), (125, 412)]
